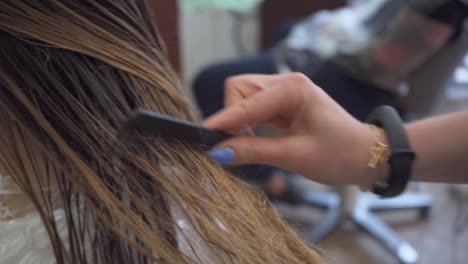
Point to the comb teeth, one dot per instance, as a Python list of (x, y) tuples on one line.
[(150, 123)]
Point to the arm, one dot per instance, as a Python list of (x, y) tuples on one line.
[(441, 147), (441, 144), (321, 140)]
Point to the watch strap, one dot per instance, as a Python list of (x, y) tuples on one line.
[(401, 154)]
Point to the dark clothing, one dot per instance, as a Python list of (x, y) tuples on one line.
[(356, 97), (209, 85)]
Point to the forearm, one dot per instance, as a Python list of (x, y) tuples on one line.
[(441, 146)]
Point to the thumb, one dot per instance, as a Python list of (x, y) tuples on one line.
[(251, 150)]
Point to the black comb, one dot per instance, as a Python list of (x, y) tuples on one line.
[(149, 123)]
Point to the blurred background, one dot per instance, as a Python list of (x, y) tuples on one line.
[(430, 223)]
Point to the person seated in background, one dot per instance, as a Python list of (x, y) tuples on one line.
[(358, 54)]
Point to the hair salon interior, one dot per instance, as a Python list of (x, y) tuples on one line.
[(211, 40)]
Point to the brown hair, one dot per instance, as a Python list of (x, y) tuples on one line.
[(70, 72)]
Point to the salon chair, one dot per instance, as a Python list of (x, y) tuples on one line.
[(417, 97)]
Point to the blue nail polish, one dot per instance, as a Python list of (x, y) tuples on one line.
[(222, 155)]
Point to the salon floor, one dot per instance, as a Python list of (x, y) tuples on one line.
[(436, 239), (441, 238)]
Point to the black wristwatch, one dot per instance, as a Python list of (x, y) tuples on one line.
[(401, 154)]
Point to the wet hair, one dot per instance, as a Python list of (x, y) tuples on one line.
[(70, 72)]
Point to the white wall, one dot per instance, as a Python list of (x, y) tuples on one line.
[(207, 37)]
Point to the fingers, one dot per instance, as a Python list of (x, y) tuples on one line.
[(254, 99), (252, 150), (236, 89), (240, 87), (257, 109)]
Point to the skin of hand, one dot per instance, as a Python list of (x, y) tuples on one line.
[(322, 141)]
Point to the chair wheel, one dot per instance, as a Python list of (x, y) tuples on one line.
[(425, 212)]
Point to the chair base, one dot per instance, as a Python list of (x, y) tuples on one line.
[(337, 211)]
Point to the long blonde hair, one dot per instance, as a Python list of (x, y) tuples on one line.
[(70, 72)]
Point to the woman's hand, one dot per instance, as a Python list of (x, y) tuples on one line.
[(322, 141)]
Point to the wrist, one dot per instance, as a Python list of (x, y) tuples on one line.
[(366, 175)]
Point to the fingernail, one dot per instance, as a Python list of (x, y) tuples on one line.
[(222, 155)]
